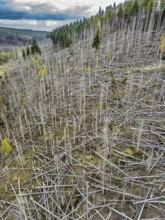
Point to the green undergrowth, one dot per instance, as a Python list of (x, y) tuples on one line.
[(2, 71), (18, 173)]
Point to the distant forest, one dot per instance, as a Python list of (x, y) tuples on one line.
[(13, 38), (18, 37)]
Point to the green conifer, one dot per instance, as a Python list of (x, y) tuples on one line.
[(97, 40), (24, 54), (27, 51), (34, 47)]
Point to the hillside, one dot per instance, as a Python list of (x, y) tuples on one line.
[(17, 37), (83, 129)]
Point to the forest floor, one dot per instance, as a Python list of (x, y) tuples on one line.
[(83, 134)]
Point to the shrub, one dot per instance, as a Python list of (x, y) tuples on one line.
[(5, 56)]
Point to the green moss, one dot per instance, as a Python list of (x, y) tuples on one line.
[(79, 170), (129, 151), (109, 54), (23, 175), (23, 101), (18, 173), (45, 137), (6, 146), (1, 99), (163, 45), (12, 179), (114, 157), (69, 179), (132, 151), (2, 189), (87, 68), (87, 158)]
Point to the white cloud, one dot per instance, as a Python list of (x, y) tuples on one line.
[(82, 8), (47, 25), (53, 6)]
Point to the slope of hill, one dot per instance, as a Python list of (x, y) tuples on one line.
[(144, 14), (83, 131), (16, 37)]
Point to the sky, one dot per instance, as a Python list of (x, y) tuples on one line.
[(47, 14)]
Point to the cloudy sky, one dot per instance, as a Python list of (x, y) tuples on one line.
[(47, 14)]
